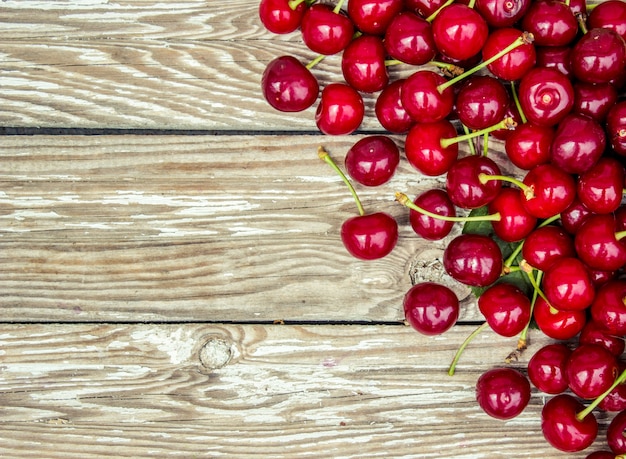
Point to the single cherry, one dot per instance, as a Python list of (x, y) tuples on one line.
[(409, 38), (465, 185), (423, 100), (473, 259), (579, 142), (600, 187), (326, 30), (546, 95), (594, 100), (281, 16), (594, 333), (545, 245), (610, 14), (574, 215), (563, 429), (431, 308), (389, 110), (374, 16), (372, 160), (506, 308), (599, 56), (599, 244), (430, 228), (556, 324), (481, 102), (616, 127), (551, 22), (288, 85), (568, 286), (609, 307), (528, 145), (459, 31), (363, 64), (340, 110), (547, 368), (615, 433), (515, 223), (548, 190), (513, 65), (591, 370), (424, 150), (502, 393)]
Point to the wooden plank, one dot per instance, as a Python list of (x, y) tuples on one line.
[(238, 391), (218, 228)]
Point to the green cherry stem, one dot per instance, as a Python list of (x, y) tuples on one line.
[(620, 379), (620, 235), (518, 105), (323, 155), (432, 17), (506, 123), (484, 178), (293, 4), (315, 61), (469, 141), (338, 6), (405, 201), (461, 348)]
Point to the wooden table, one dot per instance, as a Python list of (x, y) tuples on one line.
[(172, 283)]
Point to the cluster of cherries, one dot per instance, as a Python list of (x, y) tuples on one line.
[(544, 78)]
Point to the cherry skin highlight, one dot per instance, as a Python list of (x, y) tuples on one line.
[(409, 39), (568, 285), (363, 64), (459, 31)]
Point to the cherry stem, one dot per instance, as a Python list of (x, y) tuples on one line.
[(535, 283), (323, 154), (390, 62), (484, 178), (471, 3), (461, 348), (522, 341), (338, 6), (620, 379), (523, 39), (431, 18), (469, 141), (620, 235), (315, 61), (293, 4), (506, 123), (518, 105), (405, 201), (485, 144)]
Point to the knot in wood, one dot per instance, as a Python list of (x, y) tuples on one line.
[(215, 353)]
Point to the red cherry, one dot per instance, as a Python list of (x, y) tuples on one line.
[(459, 31), (436, 201), (528, 145), (288, 85), (561, 427), (506, 308), (597, 244), (549, 190), (616, 399), (610, 14), (545, 245), (423, 147), (340, 111), (546, 96), (409, 38), (502, 13), (600, 187), (551, 22), (609, 307), (547, 368), (615, 433), (594, 100), (370, 236), (616, 127), (568, 285), (473, 259), (515, 222), (389, 110), (502, 393), (421, 97), (513, 65), (431, 308), (372, 160), (279, 17), (481, 102), (363, 64), (424, 8), (556, 324), (464, 184), (591, 370), (373, 16), (325, 31), (599, 56), (578, 143), (594, 333), (556, 57), (574, 215)]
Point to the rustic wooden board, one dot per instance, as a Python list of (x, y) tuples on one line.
[(246, 390)]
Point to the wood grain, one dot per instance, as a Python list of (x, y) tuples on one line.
[(283, 391)]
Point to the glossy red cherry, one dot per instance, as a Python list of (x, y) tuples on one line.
[(325, 31), (545, 245), (597, 244), (464, 184), (561, 427), (424, 8), (546, 96), (423, 147), (459, 31), (599, 56), (481, 102), (436, 201), (600, 187), (409, 38), (370, 236), (594, 100), (551, 22), (578, 143), (528, 145), (288, 85), (616, 127), (556, 57), (340, 110), (515, 222), (547, 368), (615, 433), (372, 160), (373, 16), (363, 64), (568, 285), (561, 325), (594, 333), (422, 99), (473, 259), (609, 307), (549, 190), (591, 370), (502, 13), (431, 308), (506, 308), (574, 215), (389, 110), (279, 16), (502, 393), (610, 14), (615, 400), (601, 455), (513, 65)]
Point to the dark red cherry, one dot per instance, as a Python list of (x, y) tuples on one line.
[(568, 285), (473, 259), (549, 191), (591, 370), (578, 143), (546, 96), (556, 57), (423, 147), (547, 368), (372, 160), (600, 187), (325, 31), (599, 56), (609, 307), (424, 8), (601, 455), (370, 236), (516, 63), (502, 393), (431, 308), (561, 427), (515, 222), (574, 215), (506, 308), (340, 110), (288, 85), (409, 38), (556, 324), (389, 110), (616, 127), (464, 184), (594, 333), (551, 22), (459, 31), (422, 99), (279, 17), (481, 102), (502, 13), (547, 244), (528, 145), (513, 113), (594, 100), (373, 16), (436, 201), (610, 14), (597, 244), (363, 64), (615, 433)]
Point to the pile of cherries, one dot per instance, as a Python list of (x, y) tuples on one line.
[(546, 249)]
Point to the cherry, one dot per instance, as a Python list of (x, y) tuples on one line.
[(610, 14), (547, 368), (281, 16), (578, 143), (568, 285), (563, 429), (574, 215), (556, 324), (424, 8), (528, 145), (326, 30), (515, 64), (594, 100), (615, 400), (502, 393), (431, 308), (430, 228), (288, 85), (365, 236), (422, 99), (372, 160), (599, 56), (615, 433), (594, 333), (502, 13), (551, 22), (616, 127), (459, 31), (464, 184), (389, 110), (481, 102), (506, 308), (597, 243), (591, 370), (600, 187), (373, 16), (515, 223), (601, 455), (513, 113), (546, 95), (609, 307), (363, 64), (545, 245), (473, 259), (424, 150), (556, 57), (409, 38), (548, 190), (340, 111)]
